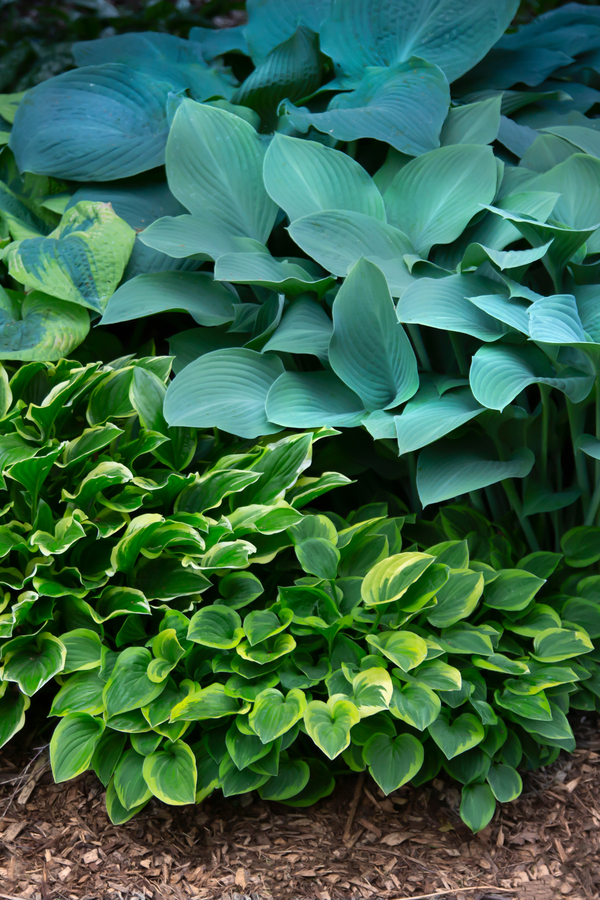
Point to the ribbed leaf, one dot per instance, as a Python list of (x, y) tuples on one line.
[(225, 389), (426, 418), (404, 106), (499, 374), (290, 277), (369, 350), (451, 468), (197, 293), (271, 22), (433, 198), (37, 326), (474, 123), (444, 303), (81, 261), (305, 328), (451, 34), (97, 123), (312, 400), (337, 240), (214, 165), (305, 177)]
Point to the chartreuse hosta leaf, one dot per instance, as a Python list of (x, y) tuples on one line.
[(359, 33), (129, 686), (211, 702), (557, 644), (171, 774), (168, 651), (415, 704), (457, 599), (305, 177), (273, 714), (329, 724), (372, 691), (388, 104), (392, 577), (393, 761), (35, 326), (32, 661), (368, 350), (216, 626), (72, 745), (404, 648), (81, 261), (454, 738)]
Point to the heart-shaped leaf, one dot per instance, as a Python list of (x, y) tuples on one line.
[(212, 702), (81, 261), (32, 664), (292, 778), (36, 326), (428, 417), (96, 123), (457, 599), (206, 300), (129, 687), (393, 761), (372, 691), (416, 704), (477, 806), (390, 579), (273, 713), (458, 736), (329, 724), (129, 782), (505, 782), (313, 399), (171, 774), (404, 648), (216, 626)]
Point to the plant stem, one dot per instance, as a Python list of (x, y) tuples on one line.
[(415, 335), (477, 502), (461, 359), (545, 395), (513, 499), (580, 464), (595, 502)]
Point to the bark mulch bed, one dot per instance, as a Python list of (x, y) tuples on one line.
[(56, 842)]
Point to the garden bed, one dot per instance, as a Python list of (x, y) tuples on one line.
[(59, 843)]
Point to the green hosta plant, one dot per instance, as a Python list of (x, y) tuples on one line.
[(110, 516)]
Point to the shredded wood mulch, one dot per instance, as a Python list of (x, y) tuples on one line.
[(57, 843)]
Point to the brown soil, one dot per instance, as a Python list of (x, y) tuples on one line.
[(57, 842)]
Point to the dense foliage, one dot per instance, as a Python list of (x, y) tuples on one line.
[(382, 218)]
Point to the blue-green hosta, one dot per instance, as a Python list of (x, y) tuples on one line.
[(203, 626), (399, 234)]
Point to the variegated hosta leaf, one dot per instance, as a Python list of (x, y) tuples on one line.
[(81, 261), (36, 326)]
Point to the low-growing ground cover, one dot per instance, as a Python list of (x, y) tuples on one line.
[(385, 232)]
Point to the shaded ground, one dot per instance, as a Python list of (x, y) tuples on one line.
[(57, 842)]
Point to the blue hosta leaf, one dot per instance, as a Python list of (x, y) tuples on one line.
[(477, 254), (369, 351), (583, 138), (271, 22), (577, 180), (197, 293), (305, 177), (288, 276), (404, 106), (292, 71), (189, 345), (556, 320), (513, 311), (81, 261), (474, 123), (313, 399), (426, 418), (566, 241), (216, 41), (588, 307), (433, 198), (36, 326), (304, 328), (499, 374), (445, 303), (503, 67), (516, 138), (451, 34), (496, 232), (139, 205), (214, 165), (203, 238), (337, 240), (225, 389), (451, 468), (97, 123), (160, 56)]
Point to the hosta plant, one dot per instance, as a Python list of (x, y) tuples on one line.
[(398, 233), (199, 624)]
